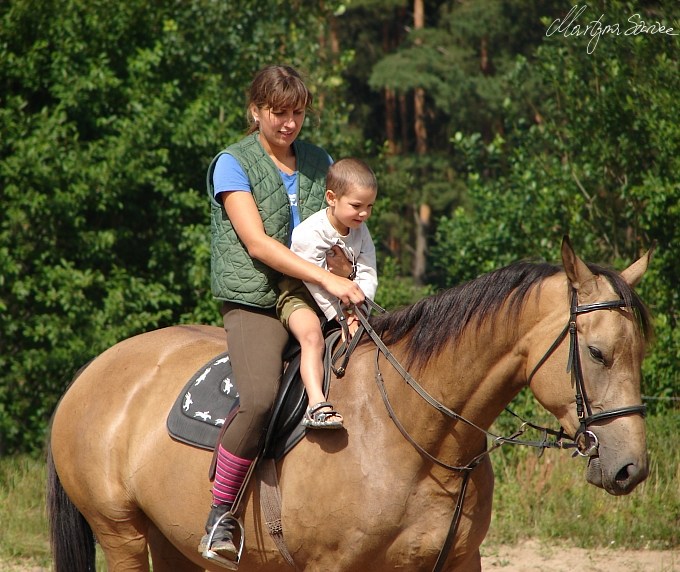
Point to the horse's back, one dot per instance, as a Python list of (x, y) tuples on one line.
[(117, 407), (149, 365)]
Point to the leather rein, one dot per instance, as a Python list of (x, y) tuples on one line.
[(584, 441)]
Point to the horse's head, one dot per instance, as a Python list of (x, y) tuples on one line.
[(598, 399)]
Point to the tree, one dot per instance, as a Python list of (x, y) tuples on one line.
[(442, 68), (110, 114), (600, 163)]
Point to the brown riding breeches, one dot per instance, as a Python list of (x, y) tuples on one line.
[(256, 341)]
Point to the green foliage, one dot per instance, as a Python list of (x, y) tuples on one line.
[(24, 543), (395, 290), (22, 510), (110, 114), (599, 163), (462, 59)]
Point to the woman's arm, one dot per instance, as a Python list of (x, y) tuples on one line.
[(244, 216)]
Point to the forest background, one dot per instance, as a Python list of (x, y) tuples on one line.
[(493, 132), (494, 126)]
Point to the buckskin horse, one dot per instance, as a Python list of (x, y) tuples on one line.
[(380, 494)]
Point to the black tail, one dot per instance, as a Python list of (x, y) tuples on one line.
[(71, 537)]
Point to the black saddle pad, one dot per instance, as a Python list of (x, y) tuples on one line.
[(209, 401), (205, 404)]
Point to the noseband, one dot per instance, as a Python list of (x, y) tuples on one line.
[(586, 441)]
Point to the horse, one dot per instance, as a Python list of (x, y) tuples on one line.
[(381, 493)]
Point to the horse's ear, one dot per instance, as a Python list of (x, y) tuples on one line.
[(633, 274), (580, 276)]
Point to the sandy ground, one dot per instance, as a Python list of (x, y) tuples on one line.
[(532, 556)]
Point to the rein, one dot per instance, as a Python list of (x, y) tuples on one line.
[(585, 441), (498, 440)]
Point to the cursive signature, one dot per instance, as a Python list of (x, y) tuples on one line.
[(569, 26)]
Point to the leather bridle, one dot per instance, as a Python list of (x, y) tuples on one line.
[(586, 441)]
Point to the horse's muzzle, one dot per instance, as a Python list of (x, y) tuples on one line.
[(619, 481)]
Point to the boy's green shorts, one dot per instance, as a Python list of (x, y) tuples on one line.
[(293, 295)]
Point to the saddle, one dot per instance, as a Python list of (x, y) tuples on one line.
[(209, 402)]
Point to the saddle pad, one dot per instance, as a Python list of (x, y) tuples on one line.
[(210, 400), (207, 402)]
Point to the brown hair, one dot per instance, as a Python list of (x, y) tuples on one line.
[(277, 87), (348, 173)]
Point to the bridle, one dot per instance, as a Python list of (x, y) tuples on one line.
[(586, 441)]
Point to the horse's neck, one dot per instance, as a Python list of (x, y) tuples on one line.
[(482, 372), (471, 379), (477, 376)]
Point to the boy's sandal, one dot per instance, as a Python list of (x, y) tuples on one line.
[(318, 419)]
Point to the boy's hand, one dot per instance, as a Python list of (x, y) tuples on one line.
[(337, 262), (352, 323)]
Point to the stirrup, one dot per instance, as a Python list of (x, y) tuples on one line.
[(213, 556)]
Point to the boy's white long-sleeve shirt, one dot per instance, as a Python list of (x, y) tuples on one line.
[(312, 239)]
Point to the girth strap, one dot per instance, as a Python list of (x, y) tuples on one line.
[(453, 528)]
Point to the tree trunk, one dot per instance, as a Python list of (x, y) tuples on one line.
[(390, 102), (423, 210)]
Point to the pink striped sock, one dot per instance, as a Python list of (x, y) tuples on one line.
[(229, 476)]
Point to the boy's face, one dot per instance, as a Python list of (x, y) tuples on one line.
[(353, 207)]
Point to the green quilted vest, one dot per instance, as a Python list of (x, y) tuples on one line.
[(235, 276)]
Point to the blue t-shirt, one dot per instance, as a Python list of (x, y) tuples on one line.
[(230, 176)]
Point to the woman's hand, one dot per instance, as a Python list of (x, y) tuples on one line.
[(347, 291), (338, 281)]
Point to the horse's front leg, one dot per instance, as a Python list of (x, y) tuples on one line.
[(471, 563)]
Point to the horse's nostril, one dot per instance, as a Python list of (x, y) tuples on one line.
[(628, 477), (624, 474)]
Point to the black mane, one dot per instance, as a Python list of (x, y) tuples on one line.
[(436, 320)]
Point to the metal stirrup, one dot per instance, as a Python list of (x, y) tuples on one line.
[(210, 554), (232, 514)]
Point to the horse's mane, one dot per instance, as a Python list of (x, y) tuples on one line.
[(434, 321)]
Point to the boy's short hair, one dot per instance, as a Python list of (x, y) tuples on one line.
[(350, 172)]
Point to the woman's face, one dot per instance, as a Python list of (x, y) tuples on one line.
[(278, 127)]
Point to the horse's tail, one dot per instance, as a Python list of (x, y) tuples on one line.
[(71, 537)]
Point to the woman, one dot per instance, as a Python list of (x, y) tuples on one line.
[(260, 188)]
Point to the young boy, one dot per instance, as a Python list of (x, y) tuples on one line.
[(351, 192)]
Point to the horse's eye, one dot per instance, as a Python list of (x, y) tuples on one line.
[(596, 354)]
